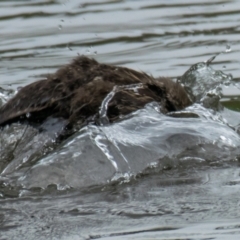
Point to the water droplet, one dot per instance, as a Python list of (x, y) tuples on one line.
[(200, 65), (228, 48), (69, 48), (95, 52), (60, 27), (25, 159), (28, 115), (76, 154)]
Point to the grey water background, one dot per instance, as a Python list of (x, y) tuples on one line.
[(148, 177)]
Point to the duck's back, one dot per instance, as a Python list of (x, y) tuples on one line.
[(77, 90)]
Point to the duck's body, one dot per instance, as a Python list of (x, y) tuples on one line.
[(76, 91)]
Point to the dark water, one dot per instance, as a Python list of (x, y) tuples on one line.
[(149, 176)]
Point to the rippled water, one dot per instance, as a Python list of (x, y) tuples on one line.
[(149, 176)]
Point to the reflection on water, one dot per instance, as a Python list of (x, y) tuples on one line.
[(149, 175), (162, 39)]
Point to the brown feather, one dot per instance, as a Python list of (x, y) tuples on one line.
[(76, 91)]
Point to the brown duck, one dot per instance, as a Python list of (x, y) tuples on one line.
[(76, 92)]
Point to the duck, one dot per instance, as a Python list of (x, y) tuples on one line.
[(80, 90)]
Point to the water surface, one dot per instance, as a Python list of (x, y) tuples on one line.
[(149, 176)]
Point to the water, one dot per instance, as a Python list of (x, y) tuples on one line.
[(149, 176)]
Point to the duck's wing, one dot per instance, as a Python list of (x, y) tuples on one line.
[(105, 98), (32, 98), (176, 95), (52, 92)]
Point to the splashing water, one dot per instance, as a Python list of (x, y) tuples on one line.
[(145, 139), (203, 83), (104, 106)]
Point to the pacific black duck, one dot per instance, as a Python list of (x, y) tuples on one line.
[(76, 92)]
